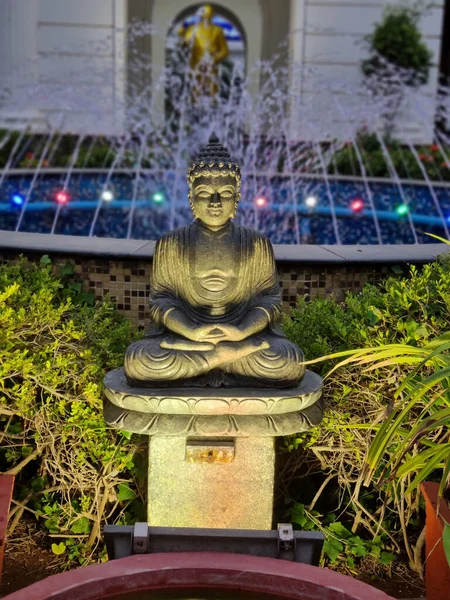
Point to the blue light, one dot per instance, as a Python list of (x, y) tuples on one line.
[(17, 200)]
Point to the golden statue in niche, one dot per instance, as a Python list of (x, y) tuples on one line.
[(208, 47), (214, 298)]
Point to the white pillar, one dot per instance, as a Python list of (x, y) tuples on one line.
[(297, 51), (18, 59)]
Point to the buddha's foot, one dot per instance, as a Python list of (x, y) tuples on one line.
[(187, 345), (226, 352)]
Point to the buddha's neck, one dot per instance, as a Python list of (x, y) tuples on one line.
[(214, 229)]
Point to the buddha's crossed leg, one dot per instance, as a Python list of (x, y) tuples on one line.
[(262, 359)]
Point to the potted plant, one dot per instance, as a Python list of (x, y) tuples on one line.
[(398, 56), (437, 549)]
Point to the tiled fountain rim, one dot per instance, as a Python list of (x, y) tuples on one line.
[(142, 249)]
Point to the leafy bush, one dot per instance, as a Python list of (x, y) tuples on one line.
[(55, 347), (434, 160), (92, 152), (7, 142), (365, 399), (397, 39), (98, 155)]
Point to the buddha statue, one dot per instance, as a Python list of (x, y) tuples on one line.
[(214, 296), (208, 47)]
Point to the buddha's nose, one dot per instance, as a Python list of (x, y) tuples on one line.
[(215, 199)]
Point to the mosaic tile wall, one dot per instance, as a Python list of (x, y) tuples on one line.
[(128, 283)]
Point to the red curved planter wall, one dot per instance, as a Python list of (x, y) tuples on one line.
[(437, 569), (151, 574)]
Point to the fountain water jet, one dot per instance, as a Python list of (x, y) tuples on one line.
[(279, 160)]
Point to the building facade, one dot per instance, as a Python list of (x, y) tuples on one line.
[(71, 65)]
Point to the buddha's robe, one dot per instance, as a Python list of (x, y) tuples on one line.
[(214, 278)]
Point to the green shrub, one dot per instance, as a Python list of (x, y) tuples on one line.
[(100, 155), (7, 142), (71, 469), (434, 160), (398, 40), (398, 56), (93, 153), (409, 311)]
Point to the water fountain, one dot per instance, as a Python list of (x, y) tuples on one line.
[(297, 187)]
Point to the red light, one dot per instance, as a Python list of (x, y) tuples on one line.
[(62, 197), (357, 205), (260, 201)]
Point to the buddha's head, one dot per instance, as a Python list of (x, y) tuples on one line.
[(206, 13), (214, 185)]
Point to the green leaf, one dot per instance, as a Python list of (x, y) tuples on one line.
[(298, 514), (58, 548), (124, 492), (45, 260), (37, 484), (446, 541), (67, 269), (339, 530), (397, 270), (82, 525), (52, 524), (386, 558), (88, 298), (359, 550), (76, 287), (332, 548)]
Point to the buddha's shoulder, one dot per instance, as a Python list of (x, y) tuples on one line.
[(252, 236), (174, 237)]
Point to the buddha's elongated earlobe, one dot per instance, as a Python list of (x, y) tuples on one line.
[(191, 202)]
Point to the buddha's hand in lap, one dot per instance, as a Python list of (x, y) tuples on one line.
[(205, 337), (225, 333)]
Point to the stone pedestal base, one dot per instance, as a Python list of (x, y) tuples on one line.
[(211, 483), (212, 457)]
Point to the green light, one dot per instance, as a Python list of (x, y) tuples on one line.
[(402, 209), (158, 197)]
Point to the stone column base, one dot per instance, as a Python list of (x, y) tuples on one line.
[(211, 483)]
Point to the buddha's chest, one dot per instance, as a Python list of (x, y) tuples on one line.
[(205, 39), (214, 266)]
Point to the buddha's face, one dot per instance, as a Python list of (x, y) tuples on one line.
[(206, 13), (214, 200)]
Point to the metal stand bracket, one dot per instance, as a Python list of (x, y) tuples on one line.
[(285, 543)]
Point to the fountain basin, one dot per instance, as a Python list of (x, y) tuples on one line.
[(157, 203)]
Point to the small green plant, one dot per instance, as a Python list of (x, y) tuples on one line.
[(341, 545)]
